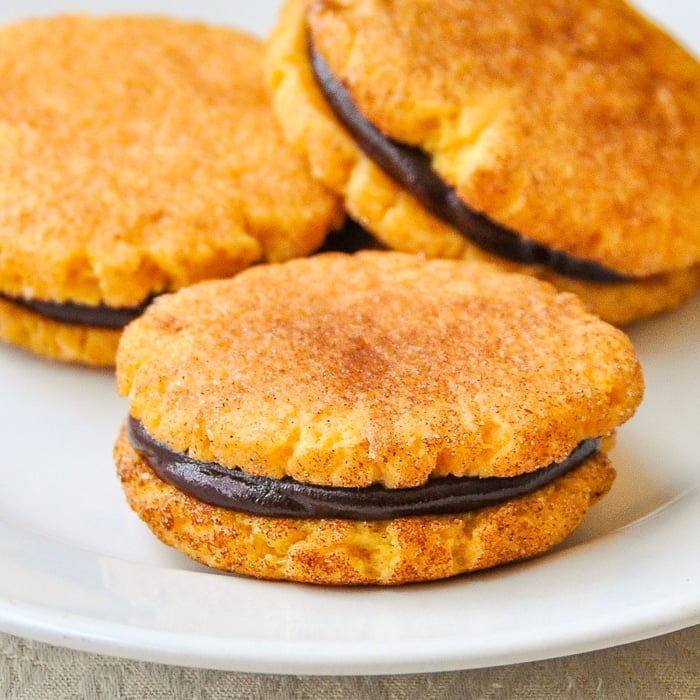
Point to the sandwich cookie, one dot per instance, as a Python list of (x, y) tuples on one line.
[(375, 418), (563, 143), (137, 155)]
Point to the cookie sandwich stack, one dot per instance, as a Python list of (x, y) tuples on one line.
[(137, 155), (369, 419), (559, 140), (169, 195)]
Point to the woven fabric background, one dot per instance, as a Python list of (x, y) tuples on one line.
[(665, 667)]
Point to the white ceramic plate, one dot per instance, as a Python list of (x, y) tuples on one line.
[(78, 569)]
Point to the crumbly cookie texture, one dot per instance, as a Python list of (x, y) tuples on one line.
[(378, 367), (610, 125), (344, 552), (140, 154)]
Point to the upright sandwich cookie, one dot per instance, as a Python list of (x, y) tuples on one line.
[(561, 141), (369, 419), (137, 155)]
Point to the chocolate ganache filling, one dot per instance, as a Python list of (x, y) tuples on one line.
[(287, 498), (411, 168), (100, 316)]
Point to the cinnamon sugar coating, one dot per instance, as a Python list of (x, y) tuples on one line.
[(140, 154), (343, 552), (383, 367), (579, 128)]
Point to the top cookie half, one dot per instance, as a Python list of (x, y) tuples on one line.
[(574, 126), (379, 367), (138, 155)]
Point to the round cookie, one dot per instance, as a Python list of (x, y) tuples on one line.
[(564, 145), (370, 418), (137, 155)]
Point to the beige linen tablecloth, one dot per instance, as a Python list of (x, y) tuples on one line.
[(665, 667)]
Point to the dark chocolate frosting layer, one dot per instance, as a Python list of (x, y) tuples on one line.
[(286, 498), (411, 168), (100, 316)]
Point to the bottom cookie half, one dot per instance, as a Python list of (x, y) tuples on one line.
[(347, 552), (65, 342)]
